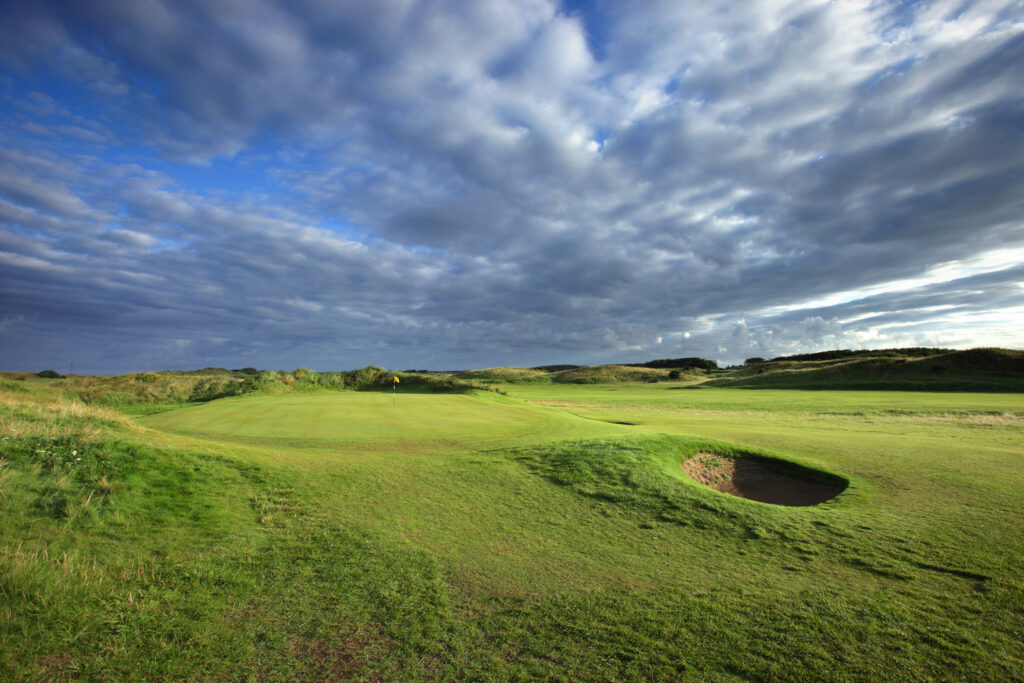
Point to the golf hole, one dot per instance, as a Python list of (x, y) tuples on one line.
[(763, 479)]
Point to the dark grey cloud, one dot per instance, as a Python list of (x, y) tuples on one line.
[(188, 183)]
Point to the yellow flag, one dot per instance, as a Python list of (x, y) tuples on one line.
[(396, 380)]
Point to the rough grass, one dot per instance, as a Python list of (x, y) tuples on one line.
[(972, 370), (152, 387), (505, 374), (591, 374), (604, 374), (140, 393), (23, 416)]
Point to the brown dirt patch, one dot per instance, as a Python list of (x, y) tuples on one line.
[(759, 480), (338, 659), (57, 668)]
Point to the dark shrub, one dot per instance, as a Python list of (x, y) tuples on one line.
[(365, 378), (841, 354), (681, 363), (50, 374)]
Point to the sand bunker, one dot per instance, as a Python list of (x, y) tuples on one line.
[(763, 480)]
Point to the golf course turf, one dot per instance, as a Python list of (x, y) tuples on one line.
[(548, 534)]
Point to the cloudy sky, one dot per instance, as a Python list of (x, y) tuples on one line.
[(469, 184)]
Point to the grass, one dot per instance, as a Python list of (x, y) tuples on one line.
[(603, 374), (142, 393), (984, 370), (416, 422), (505, 374), (590, 374), (317, 535)]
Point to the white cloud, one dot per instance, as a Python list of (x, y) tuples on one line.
[(755, 177)]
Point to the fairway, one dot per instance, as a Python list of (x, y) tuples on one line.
[(551, 534)]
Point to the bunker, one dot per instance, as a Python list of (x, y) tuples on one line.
[(764, 479)]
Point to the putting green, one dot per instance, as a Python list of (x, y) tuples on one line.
[(380, 420)]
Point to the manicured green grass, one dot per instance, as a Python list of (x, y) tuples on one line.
[(482, 537), (415, 422)]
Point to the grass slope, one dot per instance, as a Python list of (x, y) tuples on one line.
[(141, 393), (505, 375), (589, 374), (972, 370), (604, 374), (481, 537)]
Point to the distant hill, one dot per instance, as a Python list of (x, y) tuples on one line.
[(582, 374), (193, 386), (678, 364), (844, 354), (506, 374), (916, 370), (608, 374), (912, 369)]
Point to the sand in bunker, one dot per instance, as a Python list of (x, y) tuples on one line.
[(759, 480)]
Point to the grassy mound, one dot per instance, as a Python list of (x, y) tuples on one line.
[(151, 391), (972, 370), (125, 559), (511, 375), (578, 374), (846, 354), (645, 474), (158, 387), (609, 374)]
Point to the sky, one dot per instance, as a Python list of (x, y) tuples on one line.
[(444, 185)]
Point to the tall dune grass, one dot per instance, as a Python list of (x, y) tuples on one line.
[(64, 417), (162, 388)]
